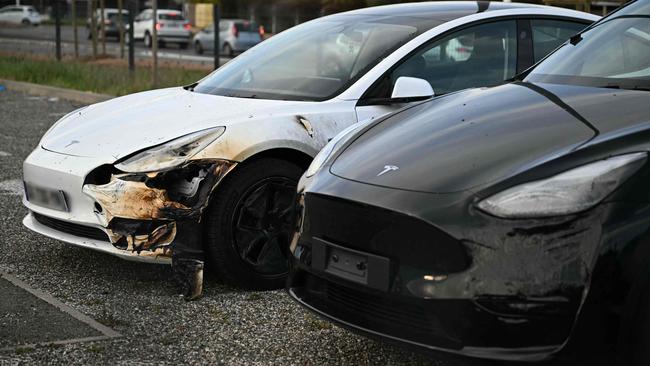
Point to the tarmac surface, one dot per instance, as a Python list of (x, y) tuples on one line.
[(138, 301), (39, 40)]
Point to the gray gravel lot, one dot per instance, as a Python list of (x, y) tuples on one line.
[(227, 326)]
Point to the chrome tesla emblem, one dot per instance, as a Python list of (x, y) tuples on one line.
[(387, 168)]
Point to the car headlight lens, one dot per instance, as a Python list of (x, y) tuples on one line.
[(332, 146), (566, 193), (170, 154)]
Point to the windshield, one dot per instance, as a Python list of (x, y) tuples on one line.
[(247, 27), (170, 16), (314, 61), (616, 53)]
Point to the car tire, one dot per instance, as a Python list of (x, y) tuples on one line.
[(148, 42), (26, 22), (227, 50), (198, 48), (248, 224)]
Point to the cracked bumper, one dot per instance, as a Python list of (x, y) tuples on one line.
[(452, 279), (103, 246), (137, 213)]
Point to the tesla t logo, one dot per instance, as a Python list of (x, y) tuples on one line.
[(387, 168)]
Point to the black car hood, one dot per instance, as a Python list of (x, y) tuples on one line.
[(464, 140), (606, 109)]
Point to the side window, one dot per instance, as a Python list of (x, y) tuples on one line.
[(549, 34), (480, 55)]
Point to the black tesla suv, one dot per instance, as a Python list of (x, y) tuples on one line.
[(494, 222)]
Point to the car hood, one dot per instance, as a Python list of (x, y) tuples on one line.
[(464, 140), (121, 126)]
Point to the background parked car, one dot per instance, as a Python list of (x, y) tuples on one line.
[(172, 27), (20, 14), (235, 36), (111, 22)]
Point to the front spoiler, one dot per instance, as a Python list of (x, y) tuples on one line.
[(101, 246), (525, 354)]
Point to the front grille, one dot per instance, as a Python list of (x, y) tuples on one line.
[(70, 228), (404, 239), (407, 315), (389, 314)]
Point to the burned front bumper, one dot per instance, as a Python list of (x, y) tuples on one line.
[(430, 271), (133, 216)]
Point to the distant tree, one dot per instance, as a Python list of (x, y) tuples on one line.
[(335, 6)]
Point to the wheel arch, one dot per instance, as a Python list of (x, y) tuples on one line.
[(295, 156)]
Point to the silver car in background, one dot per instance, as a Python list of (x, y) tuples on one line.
[(235, 36), (20, 14), (171, 27)]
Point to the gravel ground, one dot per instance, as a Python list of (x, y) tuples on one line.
[(227, 326)]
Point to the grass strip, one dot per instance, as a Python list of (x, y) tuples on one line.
[(94, 76)]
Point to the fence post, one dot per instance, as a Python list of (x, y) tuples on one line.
[(154, 43), (57, 26), (73, 10), (120, 26), (132, 10), (93, 26), (216, 19), (102, 19)]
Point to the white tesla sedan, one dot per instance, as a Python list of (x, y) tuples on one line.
[(227, 151)]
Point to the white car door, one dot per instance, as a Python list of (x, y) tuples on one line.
[(4, 15), (140, 24), (13, 15)]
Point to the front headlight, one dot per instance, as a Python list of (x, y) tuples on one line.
[(170, 154), (566, 193), (332, 146)]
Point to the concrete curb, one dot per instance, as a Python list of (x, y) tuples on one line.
[(52, 91)]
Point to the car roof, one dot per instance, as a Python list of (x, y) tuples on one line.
[(236, 20), (113, 10), (22, 7), (439, 10), (168, 11)]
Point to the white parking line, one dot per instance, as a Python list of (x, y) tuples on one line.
[(107, 332)]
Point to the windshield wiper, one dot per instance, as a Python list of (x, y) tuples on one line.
[(635, 87), (191, 86)]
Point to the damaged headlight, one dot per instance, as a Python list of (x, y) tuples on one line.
[(332, 146), (170, 154), (566, 193)]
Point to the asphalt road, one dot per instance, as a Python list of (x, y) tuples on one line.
[(40, 40), (226, 326)]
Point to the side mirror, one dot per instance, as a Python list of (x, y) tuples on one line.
[(408, 89)]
